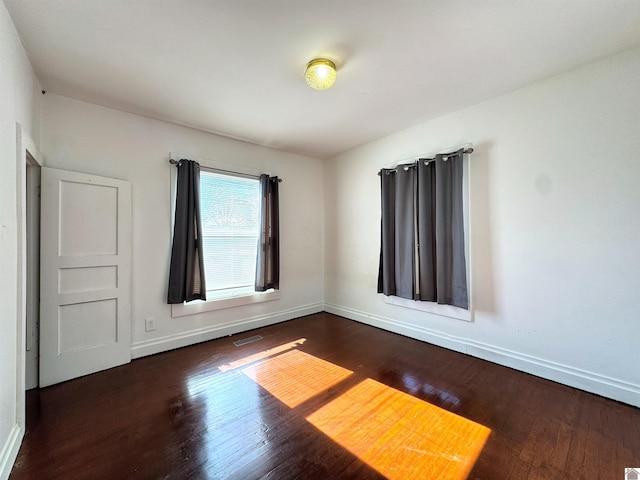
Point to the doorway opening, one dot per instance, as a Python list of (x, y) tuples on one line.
[(32, 246)]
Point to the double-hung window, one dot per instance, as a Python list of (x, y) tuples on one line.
[(230, 211)]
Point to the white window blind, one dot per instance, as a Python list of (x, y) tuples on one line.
[(230, 209)]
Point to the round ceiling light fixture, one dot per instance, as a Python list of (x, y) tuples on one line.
[(320, 73)]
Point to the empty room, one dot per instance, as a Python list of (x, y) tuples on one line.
[(285, 239)]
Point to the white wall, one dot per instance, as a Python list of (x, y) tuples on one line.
[(92, 139), (555, 229), (18, 105)]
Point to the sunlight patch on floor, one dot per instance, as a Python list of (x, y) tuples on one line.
[(401, 436), (261, 355), (294, 376)]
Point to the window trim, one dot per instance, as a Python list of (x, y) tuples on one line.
[(199, 306)]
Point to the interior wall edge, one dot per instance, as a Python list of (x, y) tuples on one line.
[(192, 337), (9, 451), (581, 379)]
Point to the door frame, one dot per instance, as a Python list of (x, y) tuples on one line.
[(27, 153)]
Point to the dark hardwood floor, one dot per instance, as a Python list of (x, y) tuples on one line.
[(322, 397)]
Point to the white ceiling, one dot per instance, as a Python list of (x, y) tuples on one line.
[(235, 67)]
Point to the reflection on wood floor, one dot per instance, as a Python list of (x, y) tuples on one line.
[(322, 397)]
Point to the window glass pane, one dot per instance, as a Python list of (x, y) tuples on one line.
[(230, 222)]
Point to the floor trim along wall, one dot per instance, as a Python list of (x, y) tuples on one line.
[(9, 451), (573, 377), (183, 339)]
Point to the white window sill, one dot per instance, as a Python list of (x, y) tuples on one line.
[(197, 306), (431, 307)]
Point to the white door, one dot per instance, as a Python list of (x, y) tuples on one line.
[(85, 274)]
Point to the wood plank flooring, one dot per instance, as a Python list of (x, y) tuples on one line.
[(322, 397)]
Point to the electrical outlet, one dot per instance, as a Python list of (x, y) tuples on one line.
[(149, 324)]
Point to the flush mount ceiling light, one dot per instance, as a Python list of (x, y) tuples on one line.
[(320, 73)]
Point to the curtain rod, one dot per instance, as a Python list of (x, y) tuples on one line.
[(466, 150), (445, 155), (177, 162)]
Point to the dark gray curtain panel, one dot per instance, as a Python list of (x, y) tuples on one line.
[(268, 257), (386, 269), (397, 271), (426, 213), (405, 265), (186, 273), (451, 269), (422, 253)]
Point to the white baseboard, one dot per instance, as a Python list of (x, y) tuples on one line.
[(9, 451), (567, 375), (184, 339)]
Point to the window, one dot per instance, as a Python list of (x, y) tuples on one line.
[(230, 211), (230, 207), (423, 235)]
